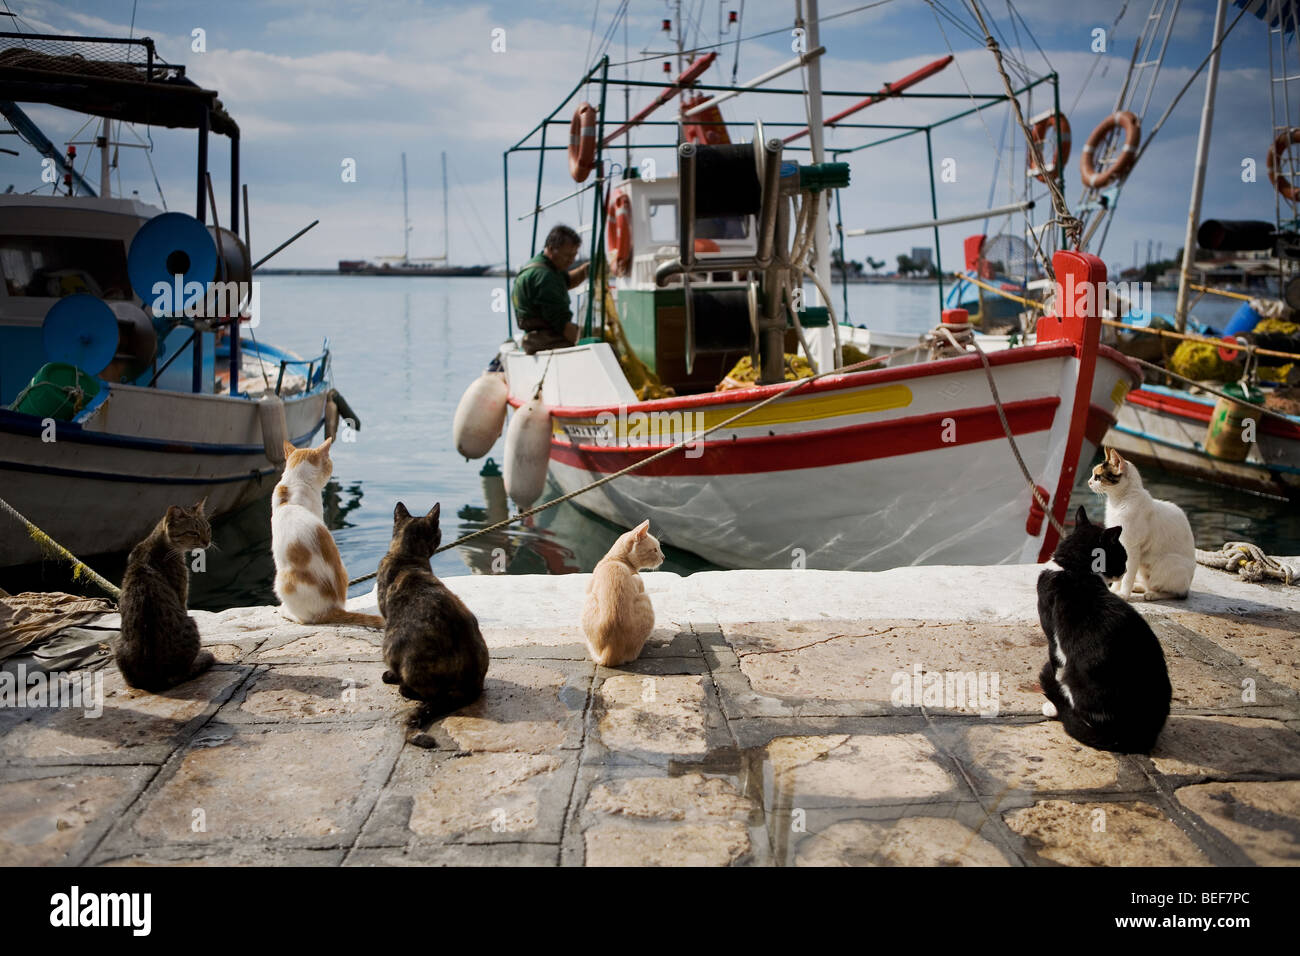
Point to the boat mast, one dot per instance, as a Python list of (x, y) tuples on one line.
[(1198, 178), (821, 235), (406, 218), (105, 184), (446, 246)]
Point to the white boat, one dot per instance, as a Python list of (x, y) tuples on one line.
[(178, 415), (907, 463)]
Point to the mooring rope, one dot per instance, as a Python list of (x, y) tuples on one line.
[(1006, 426), (79, 568), (1249, 562), (792, 387)]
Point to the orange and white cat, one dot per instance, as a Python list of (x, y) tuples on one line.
[(618, 616), (310, 579)]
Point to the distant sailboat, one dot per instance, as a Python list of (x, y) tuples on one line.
[(405, 265)]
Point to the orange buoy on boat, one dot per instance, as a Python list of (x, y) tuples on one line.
[(1127, 155), (1284, 186), (1042, 137), (618, 233), (582, 142)]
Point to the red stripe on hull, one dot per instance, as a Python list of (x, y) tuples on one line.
[(820, 449)]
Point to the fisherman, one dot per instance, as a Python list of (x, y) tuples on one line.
[(541, 292)]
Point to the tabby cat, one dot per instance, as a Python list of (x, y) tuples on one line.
[(158, 646), (432, 644)]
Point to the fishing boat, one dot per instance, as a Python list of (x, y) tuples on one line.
[(116, 403), (404, 265), (1166, 423), (907, 462)]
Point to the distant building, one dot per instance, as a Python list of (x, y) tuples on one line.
[(921, 256)]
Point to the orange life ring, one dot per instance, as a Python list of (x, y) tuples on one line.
[(618, 233), (1280, 146), (582, 142), (1127, 156), (1041, 127)]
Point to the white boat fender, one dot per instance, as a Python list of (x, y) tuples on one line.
[(528, 453), (480, 415), (275, 430)]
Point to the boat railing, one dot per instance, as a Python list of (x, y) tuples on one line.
[(314, 375)]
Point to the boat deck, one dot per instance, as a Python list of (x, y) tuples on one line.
[(763, 725)]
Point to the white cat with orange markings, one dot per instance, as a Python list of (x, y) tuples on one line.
[(310, 579)]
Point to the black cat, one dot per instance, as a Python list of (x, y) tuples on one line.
[(432, 644), (158, 646), (1105, 675)]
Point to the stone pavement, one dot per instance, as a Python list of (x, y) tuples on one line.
[(775, 718)]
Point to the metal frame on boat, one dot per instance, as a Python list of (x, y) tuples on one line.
[(903, 464)]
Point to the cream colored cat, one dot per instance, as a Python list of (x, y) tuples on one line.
[(310, 579), (618, 616)]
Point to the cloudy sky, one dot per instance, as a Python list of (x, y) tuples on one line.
[(313, 83)]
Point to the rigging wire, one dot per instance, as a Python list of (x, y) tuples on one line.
[(1098, 59), (755, 36)]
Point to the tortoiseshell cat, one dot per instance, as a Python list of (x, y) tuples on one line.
[(158, 647), (432, 644)]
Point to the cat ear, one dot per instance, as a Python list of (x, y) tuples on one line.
[(400, 514), (289, 449), (324, 447), (198, 508), (174, 511), (1112, 533), (1081, 517), (641, 530), (435, 511)]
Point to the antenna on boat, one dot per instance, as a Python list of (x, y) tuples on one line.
[(1198, 176)]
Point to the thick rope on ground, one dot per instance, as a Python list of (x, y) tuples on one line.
[(1249, 562)]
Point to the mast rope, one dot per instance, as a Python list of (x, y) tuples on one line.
[(1072, 227)]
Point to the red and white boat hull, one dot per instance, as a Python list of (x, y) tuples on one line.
[(866, 470)]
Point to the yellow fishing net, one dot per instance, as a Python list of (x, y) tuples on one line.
[(644, 382), (743, 374)]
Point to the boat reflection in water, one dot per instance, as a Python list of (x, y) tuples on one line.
[(566, 539)]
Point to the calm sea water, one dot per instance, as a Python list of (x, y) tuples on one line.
[(404, 350)]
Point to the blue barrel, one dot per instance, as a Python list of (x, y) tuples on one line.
[(1244, 320)]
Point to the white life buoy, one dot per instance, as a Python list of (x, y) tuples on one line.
[(528, 453), (480, 415)]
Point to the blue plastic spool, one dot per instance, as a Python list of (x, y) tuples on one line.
[(80, 330)]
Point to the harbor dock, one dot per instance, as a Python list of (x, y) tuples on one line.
[(775, 718)]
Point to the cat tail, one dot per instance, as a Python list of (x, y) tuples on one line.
[(340, 616)]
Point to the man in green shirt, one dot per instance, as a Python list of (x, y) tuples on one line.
[(541, 292)]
